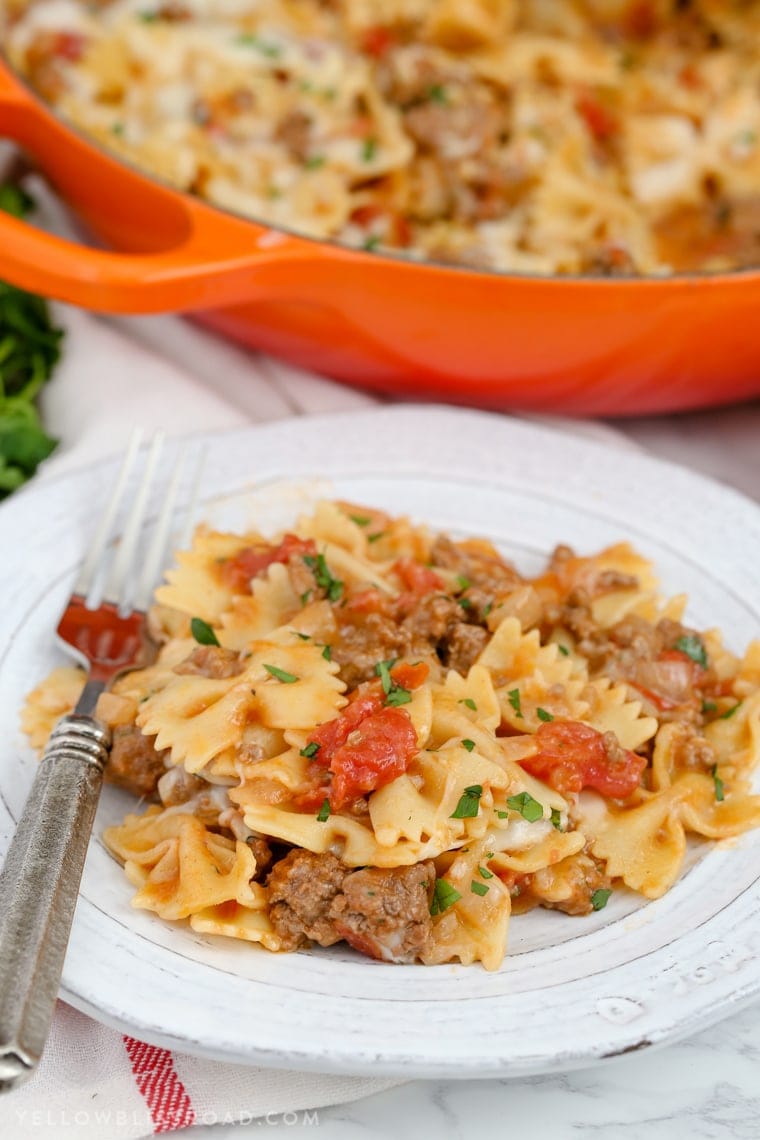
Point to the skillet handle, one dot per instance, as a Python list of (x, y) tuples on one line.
[(187, 255)]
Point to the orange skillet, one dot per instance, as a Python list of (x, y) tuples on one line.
[(574, 346)]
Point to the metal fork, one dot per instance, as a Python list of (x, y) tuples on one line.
[(103, 625)]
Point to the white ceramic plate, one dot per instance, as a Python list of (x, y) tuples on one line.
[(571, 990)]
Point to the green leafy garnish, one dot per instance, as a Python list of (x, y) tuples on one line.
[(479, 888), (369, 149), (463, 583), (470, 703), (315, 161), (281, 674), (437, 94), (322, 576), (563, 649), (376, 536), (528, 808), (543, 715), (468, 744), (465, 603), (484, 872), (513, 696), (557, 819), (327, 652), (202, 632), (730, 712), (248, 39), (709, 707), (395, 695), (469, 803), (361, 520), (444, 896), (693, 647), (311, 750), (720, 794), (600, 897), (29, 350), (324, 812)]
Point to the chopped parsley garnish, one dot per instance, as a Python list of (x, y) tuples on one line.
[(376, 536), (709, 707), (463, 583), (730, 712), (563, 649), (469, 803), (324, 812), (693, 647), (327, 652), (148, 17), (303, 636), (305, 597), (528, 808), (315, 161), (311, 750), (444, 896), (600, 897), (513, 697), (468, 744), (370, 243), (484, 872), (281, 674), (29, 350), (465, 603), (361, 520), (437, 94), (503, 814), (202, 632), (543, 715), (369, 149), (395, 695), (322, 576), (117, 128), (487, 609), (720, 794), (470, 703), (479, 888), (248, 39), (557, 819)]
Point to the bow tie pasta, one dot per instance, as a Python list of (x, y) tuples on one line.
[(361, 731)]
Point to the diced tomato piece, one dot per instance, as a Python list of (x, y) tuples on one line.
[(237, 572), (416, 578), (376, 752), (410, 676), (333, 734), (365, 702), (599, 120), (69, 45), (371, 601), (572, 756), (378, 41)]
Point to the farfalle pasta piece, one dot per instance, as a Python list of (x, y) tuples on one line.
[(50, 700), (271, 603), (197, 718), (612, 711), (194, 586), (474, 927), (180, 867)]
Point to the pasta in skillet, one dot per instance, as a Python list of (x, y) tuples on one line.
[(597, 137), (363, 731)]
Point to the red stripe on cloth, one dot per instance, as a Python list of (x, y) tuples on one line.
[(156, 1078)]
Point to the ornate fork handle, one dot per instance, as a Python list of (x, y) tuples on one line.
[(39, 884)]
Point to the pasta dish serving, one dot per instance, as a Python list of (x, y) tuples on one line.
[(600, 137), (363, 731)]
